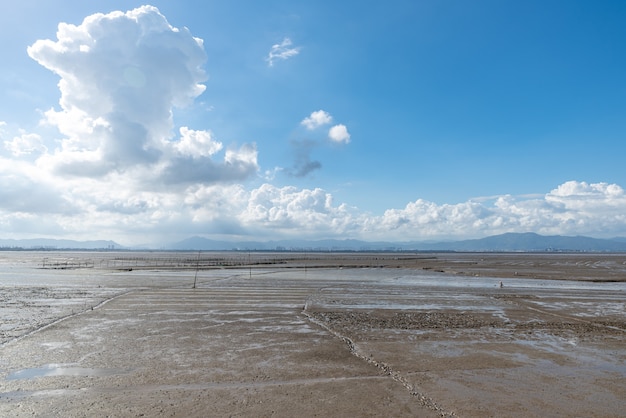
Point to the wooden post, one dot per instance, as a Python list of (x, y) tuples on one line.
[(195, 278)]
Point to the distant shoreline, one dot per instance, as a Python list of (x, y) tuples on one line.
[(580, 266)]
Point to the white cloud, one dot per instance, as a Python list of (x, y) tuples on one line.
[(118, 209), (119, 171), (307, 213), (573, 208), (25, 144), (585, 192), (339, 133), (196, 143), (122, 75), (317, 119), (281, 51), (296, 213), (304, 164)]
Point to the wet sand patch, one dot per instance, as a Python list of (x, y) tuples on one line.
[(290, 339)]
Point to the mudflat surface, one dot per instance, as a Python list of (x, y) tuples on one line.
[(122, 335)]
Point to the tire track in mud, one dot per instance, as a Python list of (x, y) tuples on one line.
[(424, 400)]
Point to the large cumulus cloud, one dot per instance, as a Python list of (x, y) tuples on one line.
[(121, 76)]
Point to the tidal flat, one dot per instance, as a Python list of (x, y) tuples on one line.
[(124, 334)]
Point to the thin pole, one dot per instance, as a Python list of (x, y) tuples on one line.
[(195, 277)]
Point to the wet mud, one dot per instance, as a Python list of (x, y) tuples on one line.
[(313, 335)]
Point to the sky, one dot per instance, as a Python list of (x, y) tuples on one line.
[(401, 120)]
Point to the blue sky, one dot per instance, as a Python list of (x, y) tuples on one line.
[(402, 120)]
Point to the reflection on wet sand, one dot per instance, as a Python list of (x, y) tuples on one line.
[(60, 370)]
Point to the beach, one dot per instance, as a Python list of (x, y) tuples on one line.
[(312, 334)]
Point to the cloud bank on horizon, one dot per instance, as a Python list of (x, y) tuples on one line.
[(119, 167)]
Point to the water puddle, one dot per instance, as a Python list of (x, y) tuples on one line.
[(62, 370)]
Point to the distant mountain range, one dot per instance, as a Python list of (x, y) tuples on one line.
[(57, 244), (506, 242), (535, 242), (529, 242)]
